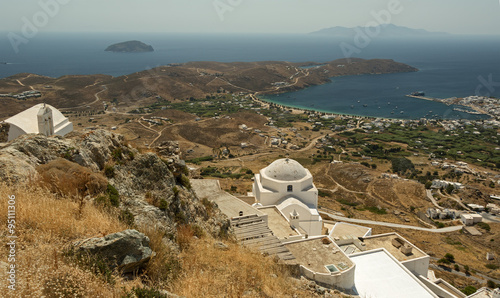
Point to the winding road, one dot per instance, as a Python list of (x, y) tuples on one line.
[(388, 224)]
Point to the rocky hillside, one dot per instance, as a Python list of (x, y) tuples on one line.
[(96, 218), (155, 191)]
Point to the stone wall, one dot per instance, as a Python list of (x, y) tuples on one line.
[(4, 132)]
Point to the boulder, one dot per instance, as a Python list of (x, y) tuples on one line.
[(128, 251)]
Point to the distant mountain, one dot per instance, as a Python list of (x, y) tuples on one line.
[(133, 46), (386, 30)]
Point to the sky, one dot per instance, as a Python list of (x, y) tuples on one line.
[(248, 16)]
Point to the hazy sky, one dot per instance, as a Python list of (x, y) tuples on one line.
[(269, 16)]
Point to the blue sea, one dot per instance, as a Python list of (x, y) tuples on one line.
[(450, 66)]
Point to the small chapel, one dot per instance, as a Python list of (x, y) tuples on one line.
[(39, 119), (288, 186)]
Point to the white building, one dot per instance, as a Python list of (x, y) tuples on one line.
[(286, 184), (443, 184), (41, 118), (467, 219)]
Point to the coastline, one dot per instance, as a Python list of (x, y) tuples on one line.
[(299, 110)]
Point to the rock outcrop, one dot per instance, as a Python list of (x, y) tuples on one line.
[(128, 251), (156, 191)]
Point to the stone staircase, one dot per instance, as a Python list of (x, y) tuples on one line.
[(252, 231)]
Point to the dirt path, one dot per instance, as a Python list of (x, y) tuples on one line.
[(88, 104)]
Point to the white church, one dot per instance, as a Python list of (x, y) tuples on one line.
[(41, 118), (288, 186)]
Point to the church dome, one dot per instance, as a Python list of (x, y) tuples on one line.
[(285, 170)]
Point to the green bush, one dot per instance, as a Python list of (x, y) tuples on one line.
[(469, 290), (117, 154), (127, 217), (484, 226), (185, 181), (450, 257), (492, 266), (109, 171), (114, 196), (163, 204), (376, 210)]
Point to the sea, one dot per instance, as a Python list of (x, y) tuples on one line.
[(449, 66)]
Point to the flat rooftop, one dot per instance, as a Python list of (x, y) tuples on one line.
[(385, 241), (277, 223), (228, 204), (344, 229), (315, 255), (379, 275)]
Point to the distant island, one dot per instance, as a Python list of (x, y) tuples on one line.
[(385, 30), (133, 46)]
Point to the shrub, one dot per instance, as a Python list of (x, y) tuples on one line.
[(428, 184), (127, 217), (114, 196), (456, 267), (117, 154), (450, 257), (469, 290), (175, 189), (492, 266), (491, 284), (484, 226), (70, 179), (376, 210), (109, 171), (163, 204), (185, 181)]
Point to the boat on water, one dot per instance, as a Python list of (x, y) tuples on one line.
[(388, 102), (365, 105), (352, 106), (3, 62), (392, 112), (418, 93), (402, 112)]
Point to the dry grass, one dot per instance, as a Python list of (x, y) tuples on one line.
[(211, 272), (70, 179), (44, 225)]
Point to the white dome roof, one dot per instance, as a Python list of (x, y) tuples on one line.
[(285, 170)]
